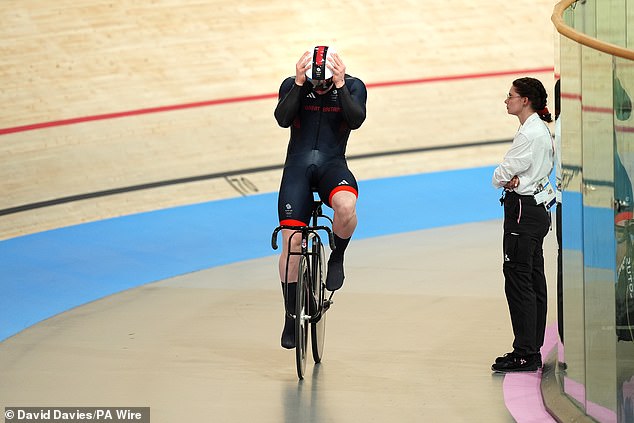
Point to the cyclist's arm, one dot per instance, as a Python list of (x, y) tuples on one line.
[(288, 103), (353, 97)]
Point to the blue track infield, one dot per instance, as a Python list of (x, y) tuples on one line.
[(50, 272)]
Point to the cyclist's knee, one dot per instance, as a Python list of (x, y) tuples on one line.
[(291, 241), (344, 203)]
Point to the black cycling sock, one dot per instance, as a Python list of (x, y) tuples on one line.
[(289, 296), (340, 247), (288, 333)]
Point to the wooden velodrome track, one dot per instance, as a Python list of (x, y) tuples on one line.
[(118, 107)]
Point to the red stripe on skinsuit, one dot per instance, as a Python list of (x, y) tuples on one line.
[(342, 188), (292, 222)]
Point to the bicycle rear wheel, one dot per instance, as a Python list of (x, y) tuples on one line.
[(301, 322), (318, 328)]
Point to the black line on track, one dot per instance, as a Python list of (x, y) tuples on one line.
[(197, 178)]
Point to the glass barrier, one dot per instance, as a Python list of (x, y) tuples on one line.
[(597, 138), (624, 233)]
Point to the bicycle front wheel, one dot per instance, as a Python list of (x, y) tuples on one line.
[(301, 320), (318, 328)]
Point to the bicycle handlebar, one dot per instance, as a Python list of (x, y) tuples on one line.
[(331, 240)]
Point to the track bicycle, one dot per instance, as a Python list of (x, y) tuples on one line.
[(311, 303)]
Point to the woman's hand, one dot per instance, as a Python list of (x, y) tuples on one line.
[(513, 183)]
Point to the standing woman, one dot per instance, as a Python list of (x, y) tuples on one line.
[(523, 173)]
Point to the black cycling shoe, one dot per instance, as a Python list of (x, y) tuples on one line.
[(288, 334), (516, 363), (334, 279)]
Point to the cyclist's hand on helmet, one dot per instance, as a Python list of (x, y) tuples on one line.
[(302, 67), (338, 69)]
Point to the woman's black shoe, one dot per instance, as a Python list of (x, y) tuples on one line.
[(515, 363), (510, 355)]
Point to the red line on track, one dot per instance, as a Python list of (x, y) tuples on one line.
[(458, 77), (106, 116)]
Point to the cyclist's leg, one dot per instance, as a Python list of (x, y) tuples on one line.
[(294, 246), (339, 190), (294, 205), (345, 214)]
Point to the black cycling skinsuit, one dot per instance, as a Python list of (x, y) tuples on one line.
[(315, 159)]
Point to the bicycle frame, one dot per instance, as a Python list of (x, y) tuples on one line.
[(306, 233)]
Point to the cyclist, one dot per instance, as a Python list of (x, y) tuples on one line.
[(321, 104)]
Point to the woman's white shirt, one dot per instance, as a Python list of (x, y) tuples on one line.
[(531, 157)]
